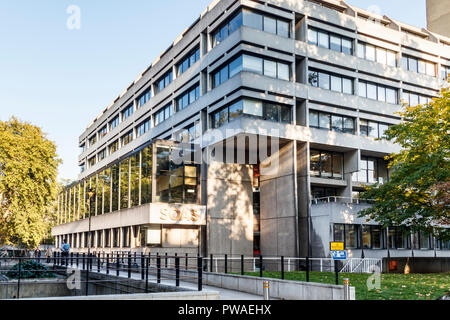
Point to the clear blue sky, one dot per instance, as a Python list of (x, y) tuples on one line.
[(60, 79)]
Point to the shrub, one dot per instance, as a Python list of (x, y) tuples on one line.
[(30, 270)]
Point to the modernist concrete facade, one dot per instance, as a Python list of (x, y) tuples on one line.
[(318, 81), (438, 16)]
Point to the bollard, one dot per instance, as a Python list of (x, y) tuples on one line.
[(346, 289), (266, 287)]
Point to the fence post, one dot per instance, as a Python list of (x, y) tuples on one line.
[(165, 263), (98, 263), (187, 261), (147, 259), (107, 263), (242, 264), (158, 268), (226, 264), (282, 267), (261, 266), (336, 271), (129, 265), (307, 269), (87, 274), (210, 263), (200, 273), (142, 266), (84, 261), (77, 258), (54, 260), (177, 271), (118, 264), (135, 257), (18, 278)]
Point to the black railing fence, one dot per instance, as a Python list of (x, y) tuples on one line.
[(170, 269)]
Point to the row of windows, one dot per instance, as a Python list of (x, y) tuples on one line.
[(378, 54), (418, 65), (372, 129), (445, 72), (414, 99), (127, 112), (165, 80), (329, 81), (377, 92), (129, 183), (127, 138), (332, 122), (326, 164), (253, 20), (144, 97), (188, 97), (376, 237), (330, 40), (188, 61), (250, 107), (164, 114), (245, 62), (189, 134), (143, 127)]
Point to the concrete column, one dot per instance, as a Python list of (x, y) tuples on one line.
[(304, 199), (278, 207)]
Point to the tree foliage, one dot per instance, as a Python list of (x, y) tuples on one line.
[(28, 171), (416, 196)]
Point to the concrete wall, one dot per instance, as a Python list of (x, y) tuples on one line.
[(230, 209), (419, 265), (279, 289), (278, 207), (438, 16), (186, 295), (34, 288)]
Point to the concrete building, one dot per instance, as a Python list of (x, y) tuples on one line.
[(438, 16), (275, 107)]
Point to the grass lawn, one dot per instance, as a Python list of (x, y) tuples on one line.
[(393, 286)]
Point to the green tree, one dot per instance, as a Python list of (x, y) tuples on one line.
[(416, 196), (28, 171)]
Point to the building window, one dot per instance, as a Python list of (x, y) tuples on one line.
[(332, 82), (418, 65), (99, 239), (124, 183), (398, 238), (373, 237), (414, 99), (332, 122), (127, 112), (369, 171), (92, 140), (347, 233), (189, 134), (116, 237), (373, 129), (254, 108), (188, 97), (378, 54), (143, 127), (106, 177), (101, 155), (113, 147), (164, 81), (329, 40), (107, 238), (115, 175), (188, 61), (114, 123), (126, 237), (146, 174), (445, 72), (144, 97), (318, 193), (377, 92), (92, 162), (127, 138), (325, 164), (164, 114), (103, 131), (151, 235)]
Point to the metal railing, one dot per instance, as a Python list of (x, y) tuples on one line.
[(362, 265), (347, 200)]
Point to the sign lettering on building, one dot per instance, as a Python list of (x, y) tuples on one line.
[(177, 214)]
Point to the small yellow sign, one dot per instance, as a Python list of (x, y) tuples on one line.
[(336, 246)]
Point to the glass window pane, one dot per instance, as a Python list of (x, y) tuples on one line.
[(391, 96), (351, 236), (236, 110), (224, 32), (323, 40), (337, 166), (366, 237), (339, 232), (224, 74), (315, 163), (285, 114), (337, 123), (252, 64), (253, 107), (421, 67), (347, 46), (361, 50), (312, 36), (313, 78), (349, 125), (391, 59), (383, 128), (371, 91), (373, 129), (324, 81), (431, 70), (283, 71), (235, 66), (236, 22), (347, 86), (313, 118), (413, 64), (335, 43), (252, 20), (324, 121), (362, 89), (270, 68), (336, 84), (370, 52), (381, 94), (326, 161), (270, 25), (413, 99), (381, 55), (272, 112), (283, 28)]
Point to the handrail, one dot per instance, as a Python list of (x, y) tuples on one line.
[(335, 199)]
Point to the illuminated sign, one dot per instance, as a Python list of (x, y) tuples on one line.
[(336, 246)]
